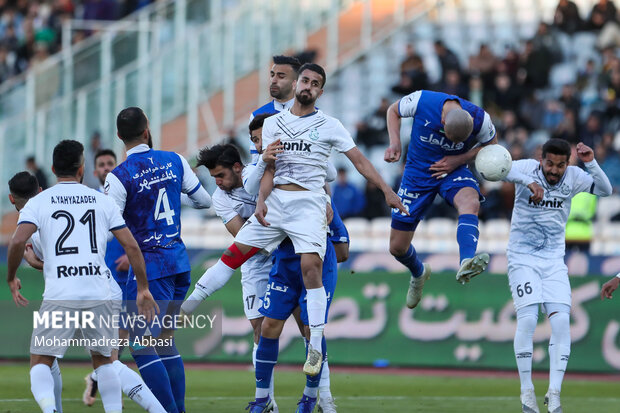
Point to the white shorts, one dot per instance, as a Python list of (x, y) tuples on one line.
[(536, 280), (300, 215), (254, 278), (53, 341)]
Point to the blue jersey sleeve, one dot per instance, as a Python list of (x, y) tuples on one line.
[(337, 231)]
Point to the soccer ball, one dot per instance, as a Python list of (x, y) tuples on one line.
[(493, 162)]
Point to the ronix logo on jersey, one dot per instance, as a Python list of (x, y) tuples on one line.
[(445, 143), (553, 204), (300, 146), (74, 271)]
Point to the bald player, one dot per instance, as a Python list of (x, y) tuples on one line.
[(447, 133)]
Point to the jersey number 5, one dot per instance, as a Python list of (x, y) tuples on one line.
[(162, 208), (87, 219)]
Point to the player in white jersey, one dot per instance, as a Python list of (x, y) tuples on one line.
[(536, 271), (73, 221), (297, 204), (22, 187)]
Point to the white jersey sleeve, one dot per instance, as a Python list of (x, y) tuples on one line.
[(29, 214), (114, 188), (582, 181), (223, 206), (35, 239), (408, 105), (190, 180), (341, 138), (113, 215), (487, 130)]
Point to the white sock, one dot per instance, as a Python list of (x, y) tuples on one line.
[(57, 385), (559, 349), (109, 386), (212, 280), (311, 392), (254, 349), (42, 387), (324, 384), (272, 394), (524, 346), (135, 388), (317, 307)]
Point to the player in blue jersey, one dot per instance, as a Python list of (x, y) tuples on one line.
[(147, 186), (286, 292), (282, 78), (447, 133)]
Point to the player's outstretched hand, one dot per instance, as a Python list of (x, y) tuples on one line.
[(329, 213), (122, 263), (444, 166), (394, 202), (272, 150), (147, 306), (261, 212), (537, 192), (19, 299), (392, 153), (584, 152), (609, 287)]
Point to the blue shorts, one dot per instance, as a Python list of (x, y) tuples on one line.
[(169, 292), (285, 288), (417, 198)]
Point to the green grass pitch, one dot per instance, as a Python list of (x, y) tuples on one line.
[(229, 391)]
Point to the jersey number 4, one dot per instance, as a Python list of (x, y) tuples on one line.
[(162, 208), (87, 219)]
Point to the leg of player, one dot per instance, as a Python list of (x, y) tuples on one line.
[(42, 382), (218, 275), (326, 400), (311, 392), (55, 369), (312, 271), (559, 352), (134, 387), (155, 375), (256, 326), (527, 317), (467, 203), (405, 253), (266, 359), (170, 357), (108, 382)]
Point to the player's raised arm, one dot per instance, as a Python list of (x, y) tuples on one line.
[(15, 253), (369, 172), (146, 304), (601, 185), (517, 176)]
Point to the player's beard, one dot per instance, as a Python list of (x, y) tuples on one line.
[(552, 179), (305, 98)]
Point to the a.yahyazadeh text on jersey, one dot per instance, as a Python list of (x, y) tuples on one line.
[(307, 143), (74, 222)]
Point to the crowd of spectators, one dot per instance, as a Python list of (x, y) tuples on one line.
[(31, 30), (527, 108)]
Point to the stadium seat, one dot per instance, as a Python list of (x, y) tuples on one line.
[(608, 207), (441, 229), (496, 229)]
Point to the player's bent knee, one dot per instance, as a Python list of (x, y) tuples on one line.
[(236, 255), (271, 328)]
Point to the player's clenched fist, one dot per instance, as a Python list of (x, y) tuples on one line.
[(584, 152), (392, 153), (609, 287), (261, 212), (537, 192)]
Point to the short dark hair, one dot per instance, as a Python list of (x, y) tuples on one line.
[(226, 155), (131, 123), (556, 147), (105, 152), (67, 158), (258, 121), (24, 185), (287, 60), (315, 68)]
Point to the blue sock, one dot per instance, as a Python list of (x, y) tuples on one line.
[(266, 358), (176, 373), (411, 261), (156, 377), (467, 235), (312, 382)]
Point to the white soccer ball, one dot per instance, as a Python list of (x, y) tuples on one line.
[(493, 162)]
